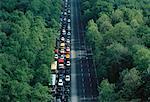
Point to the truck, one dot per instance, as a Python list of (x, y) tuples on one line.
[(53, 83), (54, 67)]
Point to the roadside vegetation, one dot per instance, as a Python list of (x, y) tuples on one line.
[(119, 33), (28, 29)]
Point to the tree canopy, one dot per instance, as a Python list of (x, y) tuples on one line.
[(28, 29), (119, 33)]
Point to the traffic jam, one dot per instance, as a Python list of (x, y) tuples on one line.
[(61, 67)]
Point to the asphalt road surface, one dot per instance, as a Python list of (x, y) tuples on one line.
[(83, 77)]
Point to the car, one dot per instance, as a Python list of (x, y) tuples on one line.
[(61, 56), (68, 37), (67, 71), (65, 19), (69, 28), (62, 51), (61, 19), (68, 45), (67, 55), (61, 66), (69, 33), (60, 82), (69, 24), (59, 89), (67, 78), (63, 31), (62, 39), (68, 41), (61, 71), (61, 76), (67, 91), (69, 20), (53, 89), (58, 100), (69, 11), (65, 13), (68, 63), (56, 56), (62, 45), (67, 49), (65, 5), (56, 51)]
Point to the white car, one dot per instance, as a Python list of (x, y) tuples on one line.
[(65, 19), (60, 82), (62, 39), (69, 28), (61, 66), (62, 51), (69, 20), (69, 33), (68, 40), (69, 11), (58, 100), (68, 49), (65, 13), (67, 78), (63, 31), (56, 56), (68, 63)]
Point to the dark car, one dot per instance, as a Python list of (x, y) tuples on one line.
[(67, 71)]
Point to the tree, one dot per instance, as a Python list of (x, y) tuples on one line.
[(19, 91), (121, 43), (27, 38), (42, 74), (8, 5), (103, 6), (40, 93), (132, 81), (105, 26), (103, 18), (115, 58), (117, 16), (143, 32), (142, 58), (92, 33), (120, 33), (106, 92)]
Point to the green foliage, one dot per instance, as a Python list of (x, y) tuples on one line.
[(106, 91), (142, 58), (119, 33), (92, 29), (132, 81), (117, 16), (40, 93), (28, 29)]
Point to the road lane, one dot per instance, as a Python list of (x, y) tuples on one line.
[(84, 87)]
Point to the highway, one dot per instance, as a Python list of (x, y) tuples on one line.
[(83, 77)]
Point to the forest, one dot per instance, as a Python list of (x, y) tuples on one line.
[(118, 31), (28, 29)]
